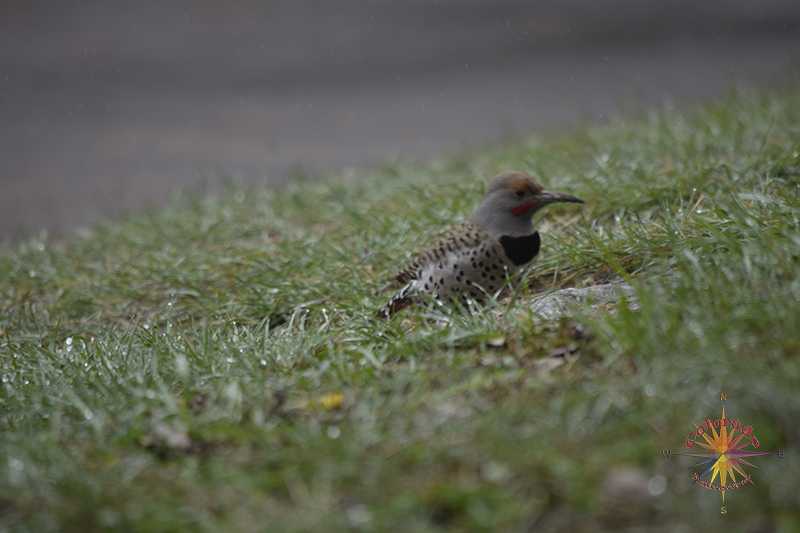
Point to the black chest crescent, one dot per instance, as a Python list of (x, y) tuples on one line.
[(521, 249)]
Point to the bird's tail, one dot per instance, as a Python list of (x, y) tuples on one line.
[(399, 301)]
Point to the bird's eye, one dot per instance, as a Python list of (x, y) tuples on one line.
[(519, 193)]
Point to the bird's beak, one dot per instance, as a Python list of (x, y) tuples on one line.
[(548, 197)]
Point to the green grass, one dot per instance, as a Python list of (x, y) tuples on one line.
[(214, 366)]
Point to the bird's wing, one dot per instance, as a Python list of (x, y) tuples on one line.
[(465, 235)]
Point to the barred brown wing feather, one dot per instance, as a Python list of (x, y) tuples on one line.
[(465, 235)]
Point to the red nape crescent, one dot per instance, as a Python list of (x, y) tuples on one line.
[(522, 209)]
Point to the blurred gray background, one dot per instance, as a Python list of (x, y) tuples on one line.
[(108, 106)]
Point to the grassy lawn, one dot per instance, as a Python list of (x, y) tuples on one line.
[(214, 365)]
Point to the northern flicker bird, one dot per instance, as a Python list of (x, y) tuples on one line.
[(475, 259)]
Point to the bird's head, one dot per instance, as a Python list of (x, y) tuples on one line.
[(510, 201)]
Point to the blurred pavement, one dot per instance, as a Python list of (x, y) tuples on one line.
[(109, 106)]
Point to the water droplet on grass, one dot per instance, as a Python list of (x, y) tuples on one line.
[(359, 514), (495, 472), (657, 485), (713, 386)]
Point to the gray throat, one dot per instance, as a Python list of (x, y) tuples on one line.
[(498, 223)]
